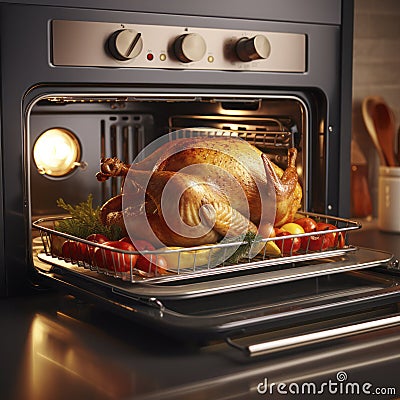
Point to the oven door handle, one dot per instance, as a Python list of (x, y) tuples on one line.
[(307, 339)]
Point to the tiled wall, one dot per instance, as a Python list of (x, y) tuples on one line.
[(376, 69)]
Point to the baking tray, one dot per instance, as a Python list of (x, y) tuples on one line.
[(232, 308), (193, 262)]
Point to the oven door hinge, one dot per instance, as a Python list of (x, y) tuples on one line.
[(148, 301)]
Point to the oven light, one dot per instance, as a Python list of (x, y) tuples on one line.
[(57, 152)]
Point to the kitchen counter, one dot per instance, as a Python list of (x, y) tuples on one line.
[(56, 347), (370, 236)]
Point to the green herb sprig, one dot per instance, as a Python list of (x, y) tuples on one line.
[(248, 239), (85, 220)]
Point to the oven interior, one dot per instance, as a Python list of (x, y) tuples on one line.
[(277, 294), (122, 126)]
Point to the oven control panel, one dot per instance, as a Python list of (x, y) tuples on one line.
[(103, 44)]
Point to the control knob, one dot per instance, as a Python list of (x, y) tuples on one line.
[(255, 48), (190, 47), (125, 44)]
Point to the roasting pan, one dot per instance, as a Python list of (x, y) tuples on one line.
[(201, 262)]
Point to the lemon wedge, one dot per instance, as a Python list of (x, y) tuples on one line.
[(271, 249), (186, 259), (293, 228)]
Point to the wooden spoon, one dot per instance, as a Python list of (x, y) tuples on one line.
[(386, 130), (368, 106), (361, 203)]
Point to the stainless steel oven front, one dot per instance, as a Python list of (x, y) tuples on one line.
[(96, 83)]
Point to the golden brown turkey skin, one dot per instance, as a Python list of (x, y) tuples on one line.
[(199, 214), (214, 158), (180, 209)]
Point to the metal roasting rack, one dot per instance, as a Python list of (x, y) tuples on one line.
[(270, 134), (184, 263)]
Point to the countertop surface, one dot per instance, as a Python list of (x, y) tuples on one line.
[(56, 347), (370, 236)]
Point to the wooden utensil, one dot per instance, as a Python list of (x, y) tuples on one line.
[(361, 204), (386, 130), (368, 106)]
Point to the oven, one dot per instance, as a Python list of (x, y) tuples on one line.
[(81, 85)]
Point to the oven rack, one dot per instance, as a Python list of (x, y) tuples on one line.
[(168, 264), (272, 136)]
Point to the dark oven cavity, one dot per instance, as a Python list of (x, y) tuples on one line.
[(109, 127)]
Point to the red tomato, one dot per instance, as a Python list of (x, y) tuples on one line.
[(277, 231), (315, 243), (336, 238), (85, 252), (287, 246), (115, 261), (143, 245), (126, 239), (70, 250), (138, 243), (152, 263), (97, 238), (308, 224), (322, 226), (77, 251), (340, 240), (323, 241)]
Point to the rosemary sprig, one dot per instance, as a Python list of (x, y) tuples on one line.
[(85, 220), (243, 251)]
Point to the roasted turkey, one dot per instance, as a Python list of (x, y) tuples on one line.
[(218, 187)]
